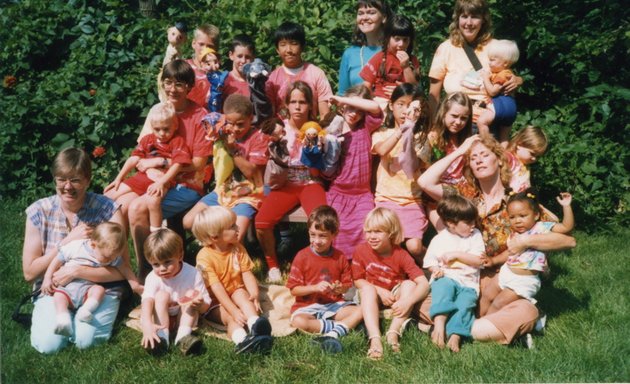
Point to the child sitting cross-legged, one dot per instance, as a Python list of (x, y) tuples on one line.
[(454, 258), (386, 276), (227, 272), (174, 295), (320, 275)]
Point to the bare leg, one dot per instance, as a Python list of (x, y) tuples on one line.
[(484, 330), (504, 298), (162, 300), (124, 202), (485, 119), (416, 250), (504, 135), (307, 323), (189, 218), (139, 228), (95, 296), (243, 225), (393, 333), (369, 307), (350, 316), (155, 210), (268, 244)]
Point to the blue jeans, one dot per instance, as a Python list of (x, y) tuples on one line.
[(178, 199), (99, 330), (455, 301)]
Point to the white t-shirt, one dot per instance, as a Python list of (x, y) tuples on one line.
[(446, 241), (187, 278)]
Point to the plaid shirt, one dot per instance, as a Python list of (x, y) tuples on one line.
[(46, 214)]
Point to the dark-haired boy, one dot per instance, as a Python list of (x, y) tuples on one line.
[(320, 275), (290, 41)]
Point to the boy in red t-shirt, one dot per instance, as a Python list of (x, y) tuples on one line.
[(320, 275)]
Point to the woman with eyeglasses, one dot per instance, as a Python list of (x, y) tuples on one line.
[(55, 221)]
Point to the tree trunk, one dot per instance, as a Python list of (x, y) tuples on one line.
[(147, 8)]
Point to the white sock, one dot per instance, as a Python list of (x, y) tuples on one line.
[(182, 332), (85, 313), (64, 324), (251, 321), (154, 229), (238, 335)]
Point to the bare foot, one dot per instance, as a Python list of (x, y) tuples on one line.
[(453, 342), (437, 336)]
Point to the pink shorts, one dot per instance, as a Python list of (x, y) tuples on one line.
[(412, 218)]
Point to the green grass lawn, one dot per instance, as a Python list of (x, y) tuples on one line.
[(586, 340)]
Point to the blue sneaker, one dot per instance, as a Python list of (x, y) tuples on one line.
[(261, 327), (328, 344), (255, 344)]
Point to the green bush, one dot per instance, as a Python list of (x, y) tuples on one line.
[(83, 73)]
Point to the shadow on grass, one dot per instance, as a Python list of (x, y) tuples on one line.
[(555, 301)]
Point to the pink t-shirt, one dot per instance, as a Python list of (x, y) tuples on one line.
[(280, 80), (520, 180), (200, 91), (233, 85), (393, 72), (191, 129), (385, 272), (309, 268)]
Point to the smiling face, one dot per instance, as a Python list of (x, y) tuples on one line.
[(379, 241), (469, 26), (370, 20), (176, 92), (238, 124), (320, 240), (240, 56), (522, 216), (456, 117), (71, 187), (290, 52), (483, 162)]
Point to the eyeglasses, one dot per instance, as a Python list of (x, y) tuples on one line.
[(177, 84), (62, 181)]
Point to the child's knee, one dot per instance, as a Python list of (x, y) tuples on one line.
[(49, 343)]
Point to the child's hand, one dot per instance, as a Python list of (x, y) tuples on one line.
[(484, 73), (403, 57), (113, 185), (387, 297), (150, 339), (256, 303), (323, 287), (157, 189), (487, 261), (239, 317), (81, 231), (48, 287), (335, 100), (338, 288), (564, 199), (437, 273), (401, 308)]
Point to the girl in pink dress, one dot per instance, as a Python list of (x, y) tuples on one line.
[(350, 192)]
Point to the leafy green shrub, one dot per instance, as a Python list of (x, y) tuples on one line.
[(83, 73)]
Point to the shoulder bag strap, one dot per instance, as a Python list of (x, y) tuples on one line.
[(470, 52)]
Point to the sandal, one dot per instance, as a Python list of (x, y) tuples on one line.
[(394, 345), (373, 353)]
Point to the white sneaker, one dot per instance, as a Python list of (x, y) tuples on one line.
[(528, 340), (540, 323), (274, 275)]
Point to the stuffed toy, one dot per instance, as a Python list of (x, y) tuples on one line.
[(256, 74), (176, 36), (277, 169), (222, 161), (210, 63), (312, 137)]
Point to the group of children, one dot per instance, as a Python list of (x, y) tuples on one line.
[(379, 250)]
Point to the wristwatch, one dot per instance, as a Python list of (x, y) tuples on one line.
[(165, 163)]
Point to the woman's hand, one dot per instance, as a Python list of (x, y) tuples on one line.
[(81, 231), (113, 185), (517, 244), (512, 84), (48, 287), (401, 307), (467, 144), (65, 274)]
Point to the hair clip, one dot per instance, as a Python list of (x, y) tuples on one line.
[(511, 193), (531, 196)]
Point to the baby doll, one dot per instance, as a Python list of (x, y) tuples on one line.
[(256, 74), (276, 171), (176, 36), (312, 136), (332, 143), (210, 63)]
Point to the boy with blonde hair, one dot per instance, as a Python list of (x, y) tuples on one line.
[(204, 36), (174, 295), (501, 113), (227, 272)]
